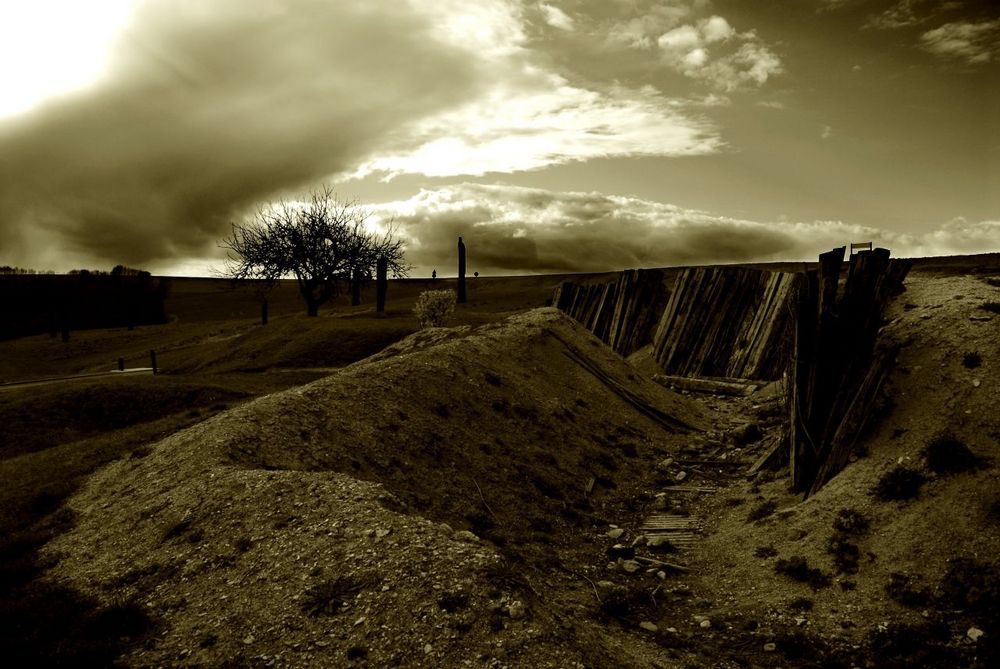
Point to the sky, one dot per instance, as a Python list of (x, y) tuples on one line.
[(556, 136)]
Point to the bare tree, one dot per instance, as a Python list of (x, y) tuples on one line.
[(320, 242)]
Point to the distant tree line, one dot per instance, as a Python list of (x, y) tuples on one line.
[(36, 303)]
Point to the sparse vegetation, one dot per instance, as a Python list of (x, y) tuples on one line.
[(901, 588), (765, 552), (797, 568), (946, 454), (845, 554), (850, 522), (972, 360), (899, 483), (762, 510), (434, 307)]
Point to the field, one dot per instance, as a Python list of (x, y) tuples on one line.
[(476, 495)]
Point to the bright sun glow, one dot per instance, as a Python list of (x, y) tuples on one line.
[(52, 47)]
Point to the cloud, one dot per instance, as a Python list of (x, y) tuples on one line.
[(556, 17), (973, 42), (207, 109), (510, 229), (546, 122), (903, 14), (712, 51)]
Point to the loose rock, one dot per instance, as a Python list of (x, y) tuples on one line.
[(631, 566), (648, 626)]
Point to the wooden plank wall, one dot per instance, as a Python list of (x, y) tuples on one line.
[(623, 313), (839, 361), (727, 322)]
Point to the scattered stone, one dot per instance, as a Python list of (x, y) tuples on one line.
[(621, 551), (665, 465), (516, 610), (631, 566), (980, 318), (248, 639), (640, 540), (648, 626), (383, 532), (680, 476), (975, 383), (662, 575), (672, 630), (605, 585), (974, 633), (615, 533), (466, 536), (801, 621), (428, 649), (770, 647), (747, 433), (706, 623)]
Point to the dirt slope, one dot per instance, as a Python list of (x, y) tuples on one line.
[(902, 585), (306, 528)]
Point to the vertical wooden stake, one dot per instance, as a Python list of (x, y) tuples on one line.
[(152, 360), (121, 364), (381, 283), (263, 312), (461, 272)]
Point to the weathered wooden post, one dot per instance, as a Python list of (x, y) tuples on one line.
[(355, 287), (152, 360), (381, 283), (121, 364), (461, 272), (263, 312)]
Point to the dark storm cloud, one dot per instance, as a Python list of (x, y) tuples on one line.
[(210, 107), (510, 229)]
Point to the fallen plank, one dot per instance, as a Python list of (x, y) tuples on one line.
[(690, 488), (733, 387), (661, 563)]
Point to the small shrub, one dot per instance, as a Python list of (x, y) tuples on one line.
[(850, 522), (845, 554), (971, 585), (765, 552), (972, 359), (434, 307), (899, 483), (926, 645), (992, 307), (801, 604), (947, 455), (900, 588), (761, 511), (798, 569)]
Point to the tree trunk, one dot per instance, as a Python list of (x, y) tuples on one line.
[(313, 308)]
